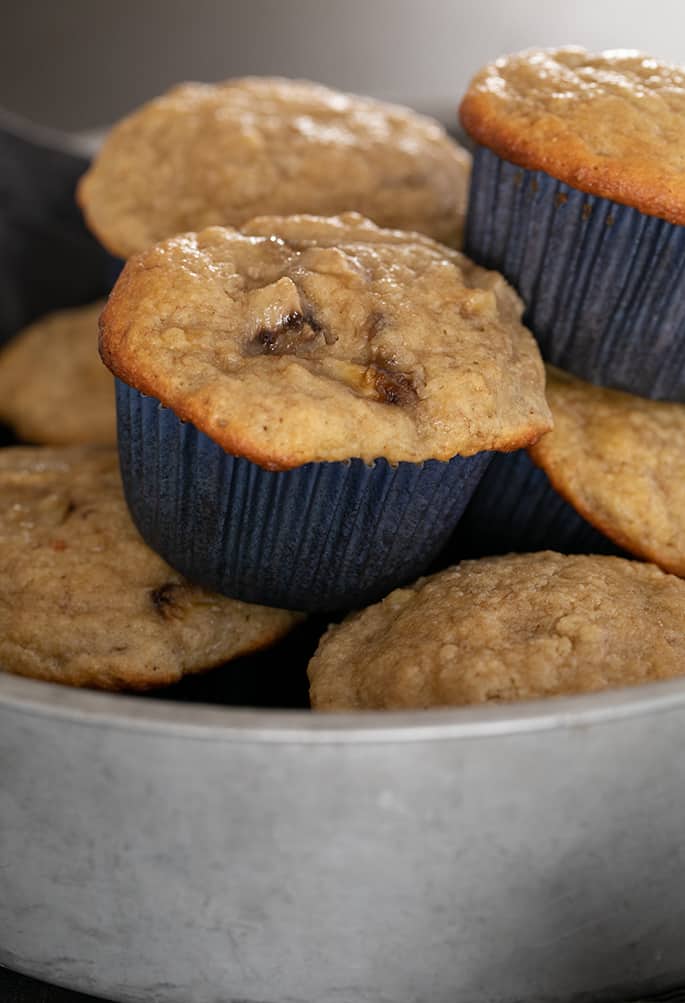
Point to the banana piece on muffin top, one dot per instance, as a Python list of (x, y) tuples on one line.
[(619, 460), (518, 627), (609, 123), (54, 388), (305, 339), (206, 154), (83, 601)]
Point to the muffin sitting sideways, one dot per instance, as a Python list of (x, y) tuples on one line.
[(207, 154), (83, 601), (612, 469), (505, 628), (343, 388)]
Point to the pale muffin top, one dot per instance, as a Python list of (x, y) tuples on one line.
[(207, 154), (505, 628), (610, 123), (620, 461), (83, 601), (305, 339), (54, 388)]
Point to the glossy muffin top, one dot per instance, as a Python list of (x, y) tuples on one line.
[(620, 461), (306, 339), (54, 388), (83, 601), (505, 628), (610, 123), (206, 154)]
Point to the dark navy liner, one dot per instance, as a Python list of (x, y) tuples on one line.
[(515, 508), (113, 270), (323, 536), (603, 284)]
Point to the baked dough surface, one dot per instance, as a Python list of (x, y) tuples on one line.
[(303, 339)]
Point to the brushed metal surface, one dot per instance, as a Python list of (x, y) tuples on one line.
[(163, 853)]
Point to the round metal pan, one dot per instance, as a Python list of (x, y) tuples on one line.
[(171, 853)]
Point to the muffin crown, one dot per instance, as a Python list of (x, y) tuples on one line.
[(620, 461), (53, 387), (307, 339), (83, 601), (610, 123), (505, 628), (206, 154)]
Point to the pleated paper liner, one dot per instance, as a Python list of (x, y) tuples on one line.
[(603, 284), (323, 536)]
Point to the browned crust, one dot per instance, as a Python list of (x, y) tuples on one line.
[(555, 474), (114, 324), (115, 682), (548, 145)]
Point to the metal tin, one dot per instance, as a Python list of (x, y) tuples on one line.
[(603, 284), (322, 536), (161, 853)]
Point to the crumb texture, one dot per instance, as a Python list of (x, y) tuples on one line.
[(507, 628), (620, 461), (609, 123), (83, 601), (303, 339), (208, 154), (54, 389)]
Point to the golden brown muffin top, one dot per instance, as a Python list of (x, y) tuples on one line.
[(505, 628), (306, 339), (610, 123), (620, 461), (83, 601), (54, 388), (208, 154)]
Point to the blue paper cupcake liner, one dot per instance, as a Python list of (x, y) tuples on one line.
[(323, 536), (515, 508), (603, 284), (113, 269)]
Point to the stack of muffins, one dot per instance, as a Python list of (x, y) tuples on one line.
[(320, 398)]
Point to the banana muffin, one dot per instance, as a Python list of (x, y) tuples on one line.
[(619, 460), (83, 601), (578, 197), (206, 154), (54, 388), (609, 478), (377, 368), (517, 627)]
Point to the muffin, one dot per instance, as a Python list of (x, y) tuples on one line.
[(518, 627), (331, 393), (610, 475), (578, 198), (84, 602), (207, 154), (54, 388)]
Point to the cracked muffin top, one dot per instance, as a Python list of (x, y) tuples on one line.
[(54, 388), (208, 154), (620, 461), (83, 601), (518, 627), (305, 339), (609, 123)]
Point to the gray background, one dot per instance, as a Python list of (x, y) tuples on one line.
[(79, 64)]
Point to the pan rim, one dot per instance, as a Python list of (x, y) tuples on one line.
[(258, 725)]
